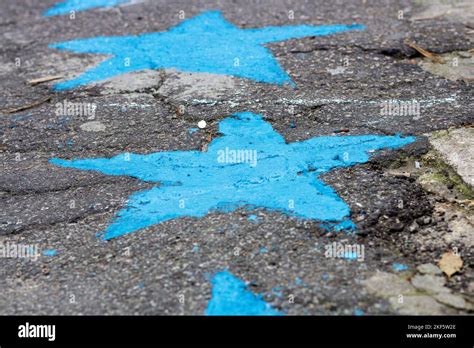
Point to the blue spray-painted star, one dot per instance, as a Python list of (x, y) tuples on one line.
[(67, 6), (230, 296), (250, 165), (206, 43)]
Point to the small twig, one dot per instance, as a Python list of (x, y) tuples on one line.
[(435, 58), (26, 107), (45, 79)]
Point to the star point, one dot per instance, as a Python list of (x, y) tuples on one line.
[(231, 296)]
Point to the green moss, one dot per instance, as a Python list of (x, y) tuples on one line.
[(433, 168), (444, 173)]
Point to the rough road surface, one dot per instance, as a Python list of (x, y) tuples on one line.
[(412, 207)]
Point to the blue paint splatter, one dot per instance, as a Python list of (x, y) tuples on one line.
[(50, 252), (263, 250), (193, 183), (358, 312), (192, 130), (230, 296), (398, 267), (65, 7), (298, 281), (206, 43), (195, 248)]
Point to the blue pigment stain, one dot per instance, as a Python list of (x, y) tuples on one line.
[(398, 267), (298, 281), (206, 43), (195, 248), (351, 255), (192, 130), (284, 177), (253, 218), (230, 296), (263, 250), (50, 252), (358, 312), (65, 7)]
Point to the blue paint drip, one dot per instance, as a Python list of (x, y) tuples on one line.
[(398, 267), (65, 7), (206, 43), (193, 183), (346, 226), (50, 252), (254, 218), (230, 296)]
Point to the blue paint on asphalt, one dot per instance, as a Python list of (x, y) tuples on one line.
[(50, 252), (194, 183), (65, 7), (398, 267), (278, 293), (263, 250), (230, 296), (206, 43), (358, 312)]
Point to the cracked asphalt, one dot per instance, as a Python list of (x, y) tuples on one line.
[(410, 206)]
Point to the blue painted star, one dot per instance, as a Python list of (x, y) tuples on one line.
[(206, 43), (249, 166), (67, 6), (231, 296)]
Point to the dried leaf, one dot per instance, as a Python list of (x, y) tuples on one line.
[(450, 263)]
